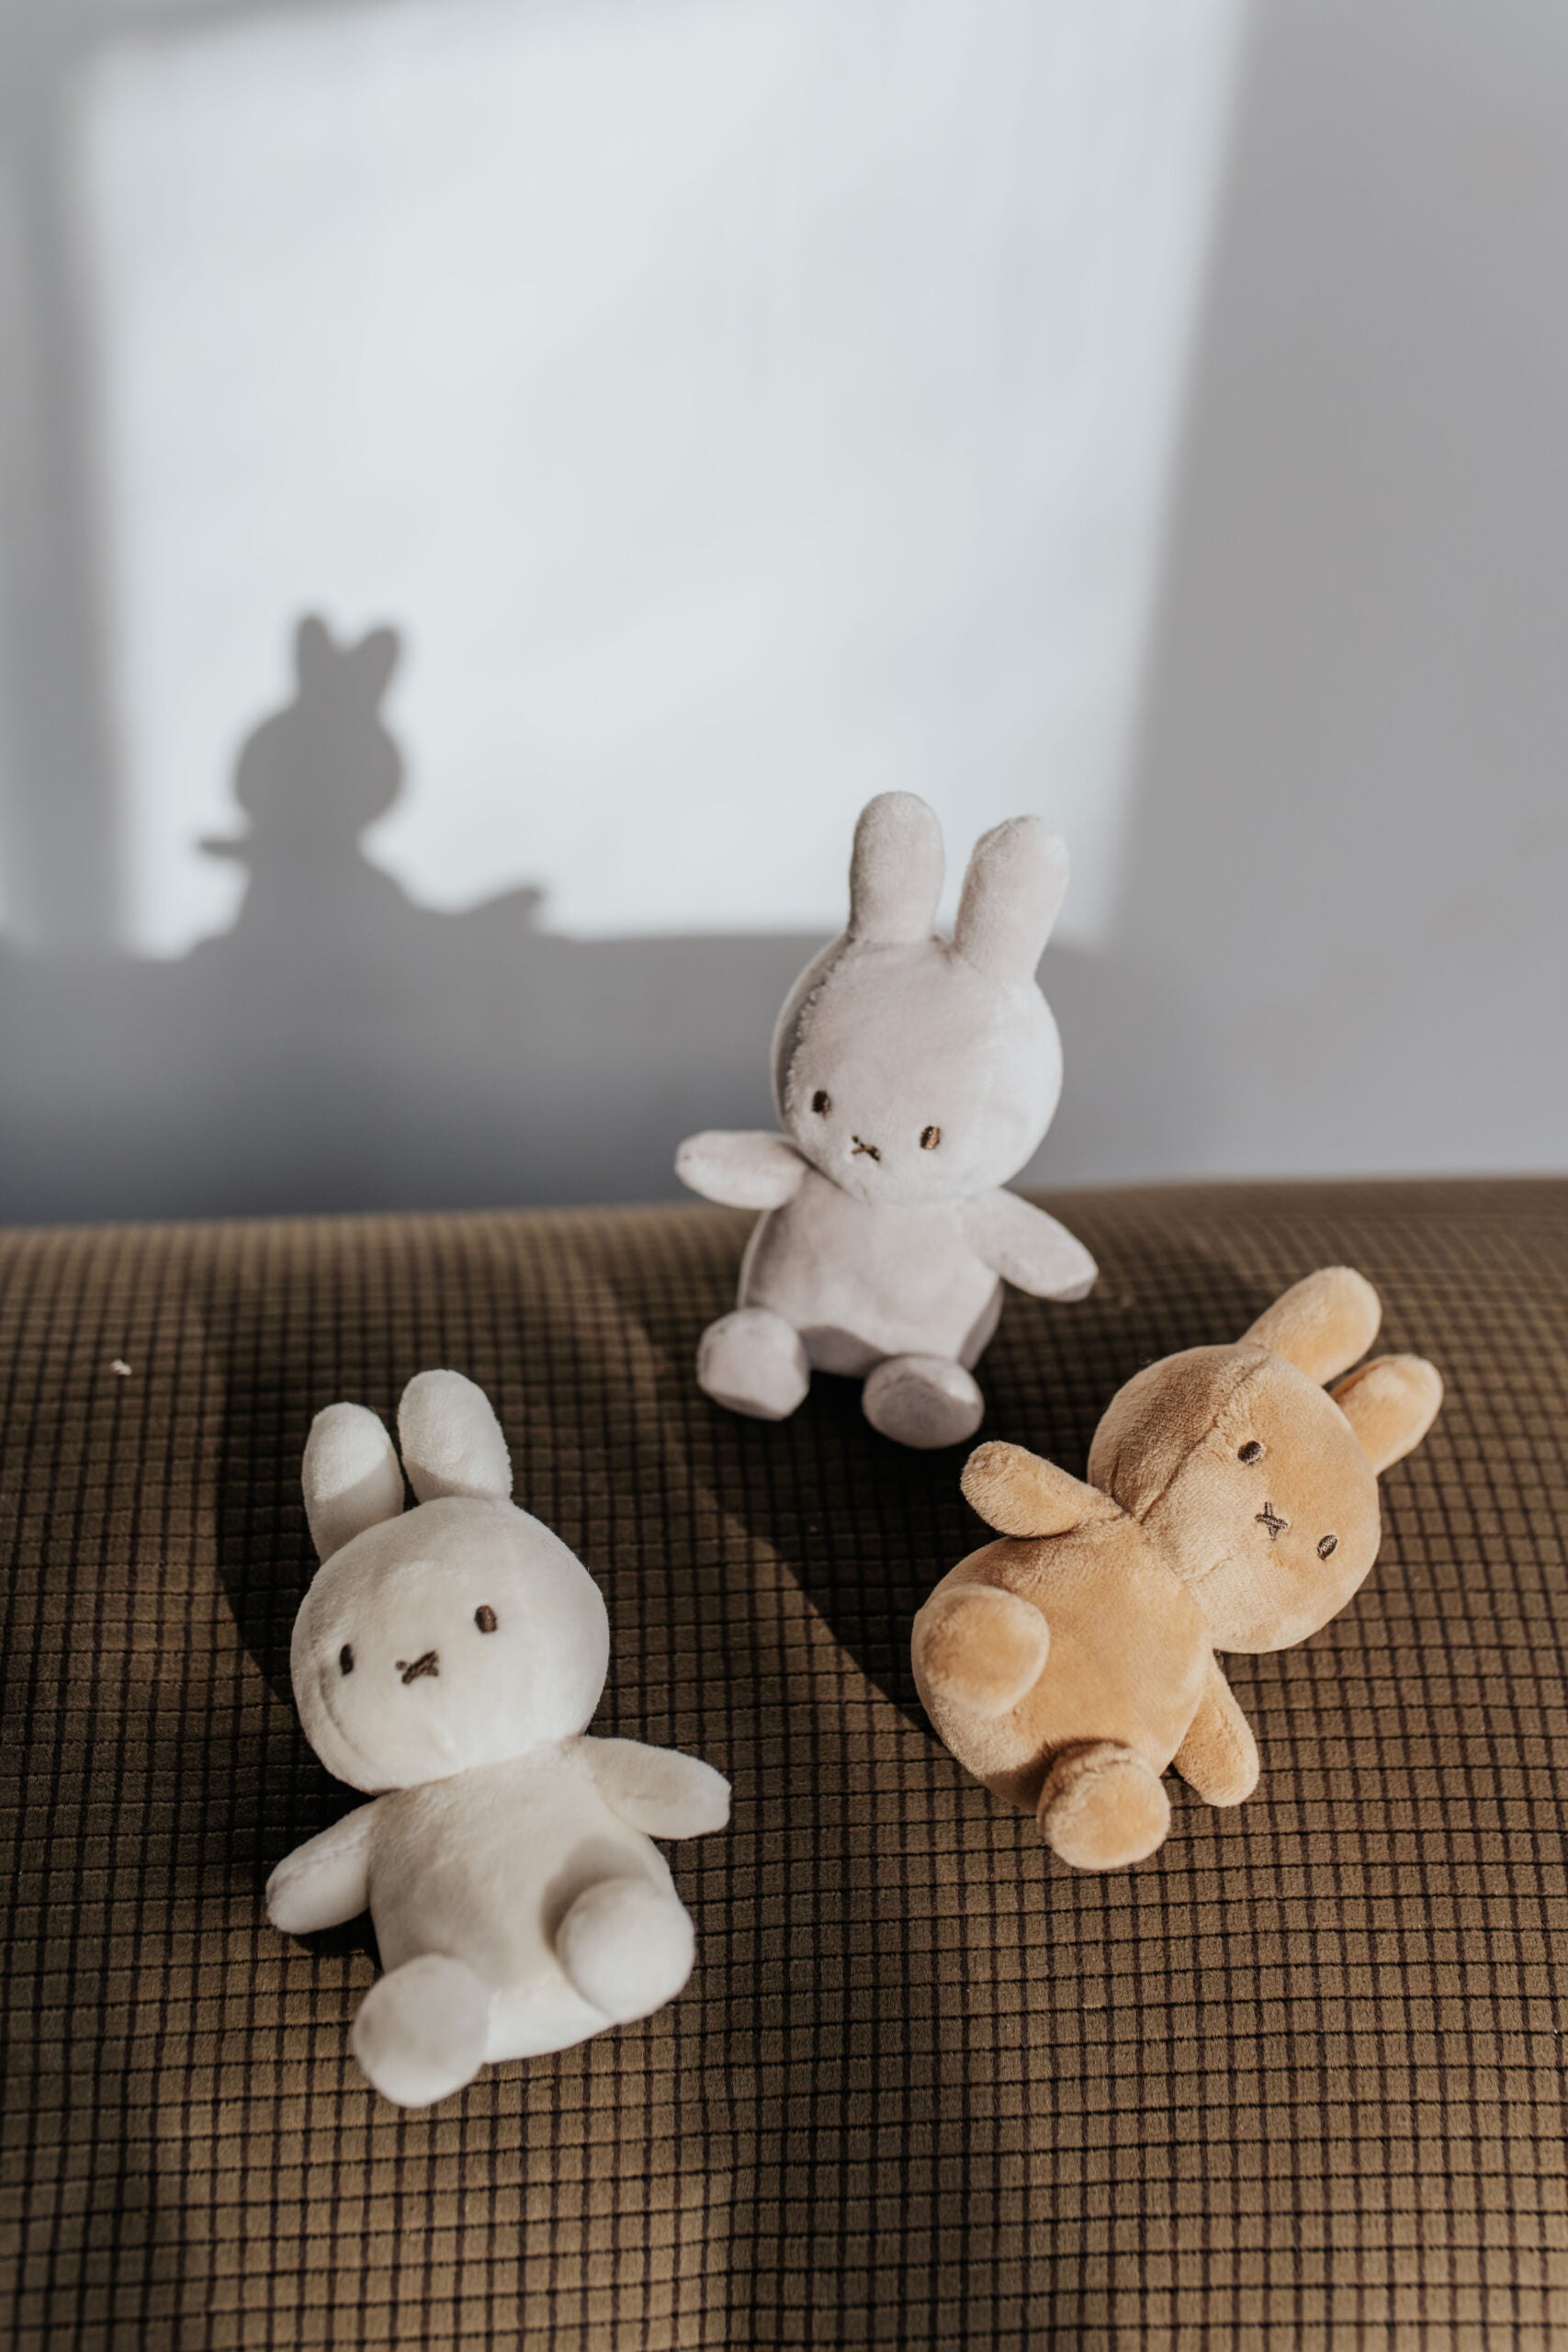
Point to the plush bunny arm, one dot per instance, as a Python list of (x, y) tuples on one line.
[(1027, 1248), (657, 1790), (327, 1880), (745, 1171), (1018, 1493), (1219, 1756)]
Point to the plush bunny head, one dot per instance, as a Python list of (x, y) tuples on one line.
[(457, 1633), (1259, 1486), (909, 1067)]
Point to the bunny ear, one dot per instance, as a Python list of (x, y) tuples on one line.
[(350, 1476), (896, 871), (1391, 1403), (1013, 894), (373, 660), (451, 1439), (314, 652), (1323, 1323)]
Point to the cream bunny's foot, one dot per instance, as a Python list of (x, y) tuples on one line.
[(627, 1946), (1103, 1806), (755, 1362), (421, 2030), (923, 1401)]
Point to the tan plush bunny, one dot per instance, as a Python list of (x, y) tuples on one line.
[(1231, 1505)]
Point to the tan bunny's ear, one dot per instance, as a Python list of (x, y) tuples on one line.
[(451, 1439), (1323, 1323), (896, 870), (350, 1476), (1019, 1494), (1391, 1403)]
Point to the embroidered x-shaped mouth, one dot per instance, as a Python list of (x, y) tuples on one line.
[(870, 1149), (429, 1664)]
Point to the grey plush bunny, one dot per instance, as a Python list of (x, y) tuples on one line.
[(913, 1075)]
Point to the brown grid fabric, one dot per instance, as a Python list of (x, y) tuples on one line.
[(1295, 2081)]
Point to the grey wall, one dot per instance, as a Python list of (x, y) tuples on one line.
[(1341, 944), (1338, 944)]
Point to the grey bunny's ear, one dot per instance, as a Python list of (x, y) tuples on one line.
[(1012, 895), (373, 660), (315, 654), (451, 1439), (350, 1476), (896, 871)]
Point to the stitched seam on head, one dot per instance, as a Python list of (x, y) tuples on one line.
[(847, 945), (1249, 1372), (359, 1755)]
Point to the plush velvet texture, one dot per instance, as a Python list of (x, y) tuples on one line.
[(914, 1075), (448, 1659), (1231, 1504)]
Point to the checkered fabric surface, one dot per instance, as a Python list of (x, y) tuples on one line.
[(1295, 2081)]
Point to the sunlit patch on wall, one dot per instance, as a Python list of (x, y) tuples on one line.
[(741, 406)]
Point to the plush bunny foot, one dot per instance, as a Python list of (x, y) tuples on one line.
[(421, 2030), (923, 1400), (755, 1362), (1102, 1808), (980, 1648), (627, 1947)]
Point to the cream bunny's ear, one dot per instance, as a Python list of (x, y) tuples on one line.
[(451, 1439), (896, 871), (350, 1476), (1391, 1403), (1012, 895), (1322, 1323)]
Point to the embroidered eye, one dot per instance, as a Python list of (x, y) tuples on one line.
[(484, 1617), (1251, 1452), (345, 1658), (1326, 1547), (930, 1138), (821, 1103)]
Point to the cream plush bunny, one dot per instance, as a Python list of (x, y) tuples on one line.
[(914, 1075), (450, 1657)]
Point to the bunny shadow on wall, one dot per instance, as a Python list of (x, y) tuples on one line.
[(344, 1047), (312, 779)]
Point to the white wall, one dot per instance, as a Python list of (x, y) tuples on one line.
[(743, 405), (1147, 415)]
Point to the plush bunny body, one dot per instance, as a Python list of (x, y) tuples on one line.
[(1231, 1505), (913, 1075), (487, 1864), (906, 1281), (450, 1657)]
